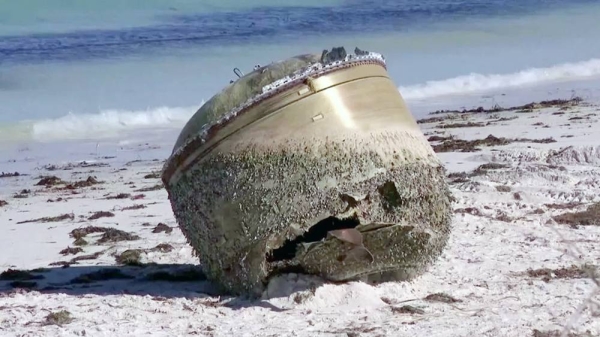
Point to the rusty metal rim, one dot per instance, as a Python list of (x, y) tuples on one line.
[(190, 146)]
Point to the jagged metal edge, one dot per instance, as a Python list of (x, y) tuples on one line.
[(313, 71)]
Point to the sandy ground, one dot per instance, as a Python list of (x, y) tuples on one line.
[(516, 265)]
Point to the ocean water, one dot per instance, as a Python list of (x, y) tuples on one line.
[(114, 72)]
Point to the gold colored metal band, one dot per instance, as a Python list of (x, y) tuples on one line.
[(275, 103)]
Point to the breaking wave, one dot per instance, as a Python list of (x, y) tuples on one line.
[(109, 123), (484, 82)]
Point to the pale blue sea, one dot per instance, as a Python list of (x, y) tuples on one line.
[(128, 69)]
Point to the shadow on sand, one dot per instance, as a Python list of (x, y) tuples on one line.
[(157, 280)]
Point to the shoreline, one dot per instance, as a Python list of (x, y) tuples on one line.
[(523, 180), (113, 126)]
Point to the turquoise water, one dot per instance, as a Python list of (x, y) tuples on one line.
[(86, 69)]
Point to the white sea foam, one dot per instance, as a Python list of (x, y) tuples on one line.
[(109, 123), (474, 82)]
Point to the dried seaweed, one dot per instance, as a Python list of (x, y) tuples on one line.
[(130, 257), (133, 207), (156, 187), (59, 318), (408, 309), (71, 251), (101, 214), (90, 181), (79, 233), (461, 125), (119, 196), (49, 181), (162, 228), (10, 174), (163, 248), (441, 297), (116, 235), (461, 145), (50, 219), (572, 272), (555, 103), (589, 217), (85, 257)]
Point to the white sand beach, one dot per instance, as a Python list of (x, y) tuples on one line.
[(520, 261)]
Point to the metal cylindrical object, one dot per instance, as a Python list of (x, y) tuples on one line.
[(309, 166)]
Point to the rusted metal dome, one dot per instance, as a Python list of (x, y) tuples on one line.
[(314, 165)]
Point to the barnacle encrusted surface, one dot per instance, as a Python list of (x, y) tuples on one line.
[(246, 199)]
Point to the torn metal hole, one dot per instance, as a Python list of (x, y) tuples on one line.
[(391, 197), (316, 233)]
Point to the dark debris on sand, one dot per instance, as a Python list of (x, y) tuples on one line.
[(503, 188), (434, 119), (71, 251), (156, 187), (85, 257), (469, 210), (572, 272), (568, 205), (441, 297), (79, 233), (461, 125), (529, 107), (439, 138), (133, 207), (118, 196), (109, 234), (461, 145), (163, 248), (589, 217), (133, 257), (75, 260), (22, 194), (130, 257), (80, 242), (116, 235), (90, 181), (408, 309), (70, 166), (49, 181), (101, 214), (162, 228), (59, 318), (10, 174), (499, 216), (557, 333), (461, 177), (50, 219)]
